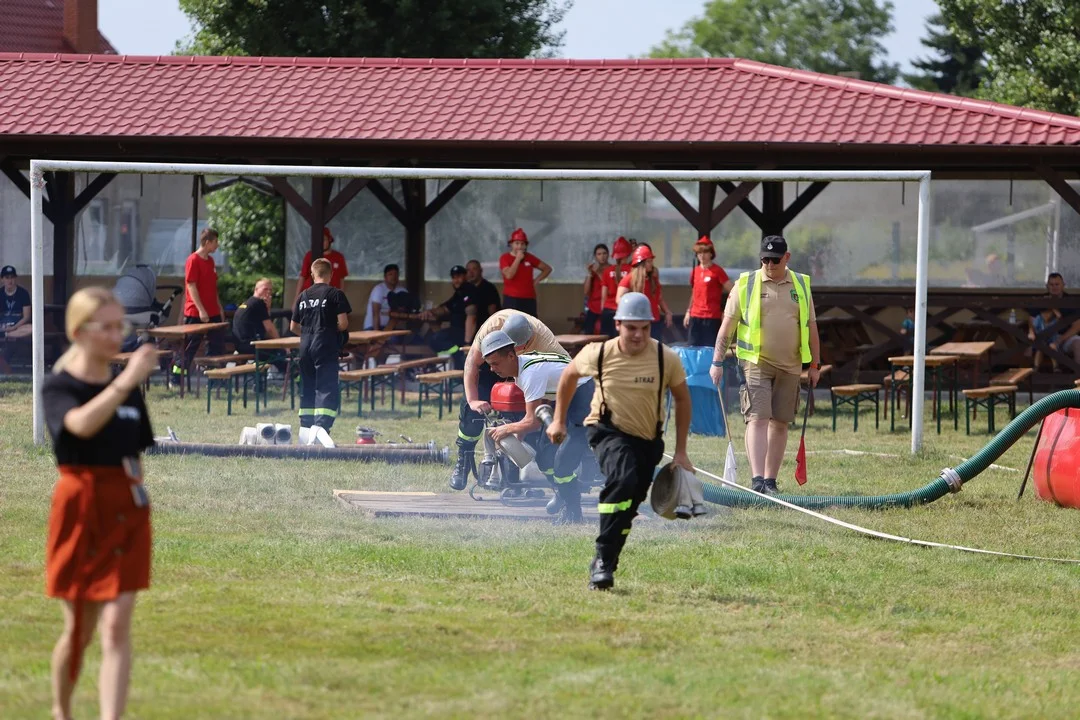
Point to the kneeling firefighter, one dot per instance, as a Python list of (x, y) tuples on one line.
[(529, 335), (538, 374), (625, 423)]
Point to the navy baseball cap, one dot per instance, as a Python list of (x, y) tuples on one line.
[(457, 270), (773, 246), (8, 271)]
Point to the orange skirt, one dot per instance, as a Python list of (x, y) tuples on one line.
[(98, 540)]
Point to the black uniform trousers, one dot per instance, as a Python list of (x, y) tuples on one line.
[(560, 462), (703, 331), (451, 338), (525, 305), (277, 359), (470, 422), (215, 339), (320, 395), (628, 464)]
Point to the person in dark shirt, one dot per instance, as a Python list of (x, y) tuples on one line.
[(252, 321), (320, 317), (486, 294), (97, 553), (461, 311), (14, 312)]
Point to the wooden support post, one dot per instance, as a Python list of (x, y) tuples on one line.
[(415, 234), (772, 209), (1062, 188)]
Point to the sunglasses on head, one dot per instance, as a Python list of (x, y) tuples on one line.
[(771, 261)]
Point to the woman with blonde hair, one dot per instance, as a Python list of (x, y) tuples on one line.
[(645, 278), (97, 552)]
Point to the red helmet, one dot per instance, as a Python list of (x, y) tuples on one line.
[(621, 249), (519, 234), (327, 235), (641, 254), (704, 241)]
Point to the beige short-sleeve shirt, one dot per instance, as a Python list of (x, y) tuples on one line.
[(542, 340), (780, 334), (631, 384)]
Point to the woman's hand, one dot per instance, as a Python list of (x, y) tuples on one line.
[(142, 363)]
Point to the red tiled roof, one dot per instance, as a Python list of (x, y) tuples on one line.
[(538, 101), (37, 26)]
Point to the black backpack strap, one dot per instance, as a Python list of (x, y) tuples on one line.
[(660, 391), (605, 415)]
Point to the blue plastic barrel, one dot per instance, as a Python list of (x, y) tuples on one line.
[(706, 418)]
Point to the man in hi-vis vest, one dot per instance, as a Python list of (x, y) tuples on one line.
[(772, 315)]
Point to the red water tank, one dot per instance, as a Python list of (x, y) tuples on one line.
[(507, 397), (1057, 461)]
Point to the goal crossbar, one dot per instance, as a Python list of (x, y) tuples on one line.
[(39, 167)]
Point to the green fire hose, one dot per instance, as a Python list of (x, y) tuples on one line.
[(950, 480)]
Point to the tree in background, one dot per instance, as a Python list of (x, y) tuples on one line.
[(252, 225), (1032, 49), (827, 36), (377, 28), (956, 67)]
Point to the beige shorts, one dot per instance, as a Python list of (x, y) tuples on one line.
[(769, 393)]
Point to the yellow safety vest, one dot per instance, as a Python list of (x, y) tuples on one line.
[(748, 337)]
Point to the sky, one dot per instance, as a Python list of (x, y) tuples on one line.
[(594, 28)]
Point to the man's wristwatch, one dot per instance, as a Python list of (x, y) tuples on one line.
[(718, 364), (815, 366)]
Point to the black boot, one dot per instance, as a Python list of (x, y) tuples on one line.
[(757, 484), (770, 487), (601, 574), (460, 477), (570, 493)]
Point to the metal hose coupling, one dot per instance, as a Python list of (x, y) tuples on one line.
[(544, 415), (952, 479)]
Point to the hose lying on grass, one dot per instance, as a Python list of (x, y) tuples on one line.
[(409, 453), (950, 480), (733, 495)]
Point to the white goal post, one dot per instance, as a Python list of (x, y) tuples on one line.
[(39, 167)]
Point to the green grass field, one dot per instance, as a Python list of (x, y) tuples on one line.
[(271, 600)]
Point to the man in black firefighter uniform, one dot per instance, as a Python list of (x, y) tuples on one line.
[(625, 425), (461, 311), (321, 318)]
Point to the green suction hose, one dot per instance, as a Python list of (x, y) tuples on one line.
[(951, 479)]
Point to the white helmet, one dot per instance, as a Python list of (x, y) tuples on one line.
[(634, 307), (518, 328), (496, 340)]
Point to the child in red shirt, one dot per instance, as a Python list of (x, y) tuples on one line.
[(517, 266), (594, 289), (645, 278), (337, 262), (708, 285), (611, 276)]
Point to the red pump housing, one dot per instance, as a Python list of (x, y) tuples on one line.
[(1056, 470), (506, 397)]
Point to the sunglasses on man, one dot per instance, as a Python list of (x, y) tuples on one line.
[(771, 261)]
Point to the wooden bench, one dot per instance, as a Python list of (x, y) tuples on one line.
[(122, 359), (216, 361), (443, 382), (371, 376), (892, 391), (851, 395), (987, 397), (413, 365), (227, 376), (1016, 376)]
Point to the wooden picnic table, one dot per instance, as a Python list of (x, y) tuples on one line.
[(574, 343), (936, 364), (972, 352), (291, 344), (180, 334)]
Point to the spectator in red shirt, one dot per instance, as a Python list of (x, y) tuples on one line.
[(594, 288), (201, 301), (645, 278), (708, 285), (519, 284), (337, 263), (612, 275)]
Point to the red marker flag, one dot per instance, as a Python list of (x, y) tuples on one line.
[(800, 458)]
